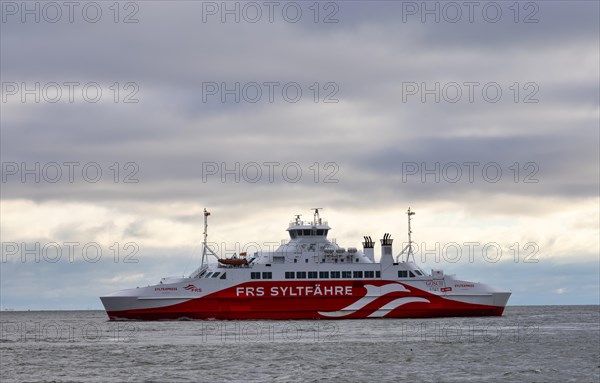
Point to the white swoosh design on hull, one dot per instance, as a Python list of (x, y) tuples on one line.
[(383, 311), (373, 292)]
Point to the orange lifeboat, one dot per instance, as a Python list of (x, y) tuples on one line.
[(234, 260)]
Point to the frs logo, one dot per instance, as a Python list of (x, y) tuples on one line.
[(193, 289)]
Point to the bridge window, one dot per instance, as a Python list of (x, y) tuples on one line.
[(369, 274), (255, 275), (312, 275), (324, 274), (335, 274), (301, 274), (223, 276), (216, 274), (402, 274), (418, 272), (358, 274), (306, 232), (346, 274), (267, 275), (377, 274), (292, 234), (299, 233), (289, 275), (410, 274), (208, 275)]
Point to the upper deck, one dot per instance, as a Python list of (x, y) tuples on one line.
[(309, 251)]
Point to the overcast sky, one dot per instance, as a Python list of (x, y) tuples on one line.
[(120, 124)]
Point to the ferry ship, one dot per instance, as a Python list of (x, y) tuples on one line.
[(308, 277)]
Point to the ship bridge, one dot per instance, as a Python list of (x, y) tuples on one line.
[(313, 230)]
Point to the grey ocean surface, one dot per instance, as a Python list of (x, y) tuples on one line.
[(527, 344)]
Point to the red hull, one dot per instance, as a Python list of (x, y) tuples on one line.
[(278, 302)]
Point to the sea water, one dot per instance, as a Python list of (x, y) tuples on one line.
[(527, 344)]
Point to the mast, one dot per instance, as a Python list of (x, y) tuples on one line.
[(204, 242), (408, 249), (205, 248), (317, 219)]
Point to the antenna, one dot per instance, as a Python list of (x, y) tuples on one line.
[(410, 251)]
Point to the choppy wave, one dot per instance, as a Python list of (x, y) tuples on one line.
[(527, 344)]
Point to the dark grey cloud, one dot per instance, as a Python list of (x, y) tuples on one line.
[(371, 54)]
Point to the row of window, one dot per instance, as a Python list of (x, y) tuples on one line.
[(331, 275), (408, 273), (265, 275), (308, 232), (216, 275), (320, 274)]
